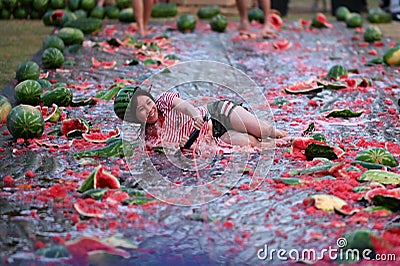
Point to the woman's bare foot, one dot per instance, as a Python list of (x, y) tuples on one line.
[(244, 25), (268, 31)]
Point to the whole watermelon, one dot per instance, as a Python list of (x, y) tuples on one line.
[(27, 70), (372, 33), (26, 3), (25, 121), (186, 22), (126, 15), (57, 4), (354, 20), (86, 25), (121, 103), (218, 23), (97, 12), (74, 4), (122, 4), (40, 5), (20, 13), (52, 58), (255, 14), (5, 108), (112, 12), (341, 13), (28, 92), (88, 5), (208, 12), (54, 41), (80, 13), (164, 10), (5, 14), (71, 35), (61, 96)]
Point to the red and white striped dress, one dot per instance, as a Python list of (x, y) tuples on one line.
[(174, 124)]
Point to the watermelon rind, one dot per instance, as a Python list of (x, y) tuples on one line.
[(53, 116), (304, 90), (343, 113), (381, 176), (27, 70), (25, 121), (28, 92), (378, 156), (87, 210), (5, 108)]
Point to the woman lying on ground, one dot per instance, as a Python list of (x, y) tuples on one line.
[(173, 119)]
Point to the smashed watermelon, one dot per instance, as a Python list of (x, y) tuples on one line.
[(73, 127), (99, 178), (300, 145), (98, 137)]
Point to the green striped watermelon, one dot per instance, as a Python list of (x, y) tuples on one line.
[(27, 70), (336, 71), (52, 58), (28, 92), (55, 42), (5, 108), (378, 156), (71, 35), (60, 96), (121, 102), (25, 121)]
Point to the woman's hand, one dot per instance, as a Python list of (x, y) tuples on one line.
[(198, 122), (183, 141)]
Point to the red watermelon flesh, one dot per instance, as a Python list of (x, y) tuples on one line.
[(322, 19), (74, 125), (104, 179), (98, 137)]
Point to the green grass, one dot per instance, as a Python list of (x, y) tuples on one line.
[(20, 40)]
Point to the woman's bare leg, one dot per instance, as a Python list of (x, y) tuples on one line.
[(242, 8), (266, 7), (236, 138), (138, 12), (246, 122), (148, 6)]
